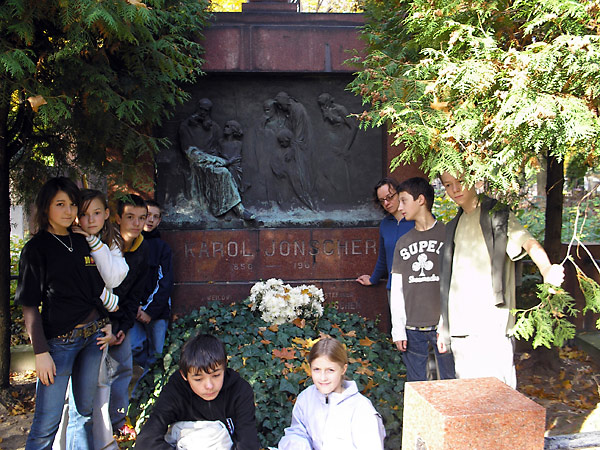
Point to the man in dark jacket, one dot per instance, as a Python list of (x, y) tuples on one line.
[(203, 389), (154, 311)]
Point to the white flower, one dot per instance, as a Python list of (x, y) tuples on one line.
[(280, 303)]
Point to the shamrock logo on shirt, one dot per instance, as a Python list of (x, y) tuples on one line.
[(422, 264)]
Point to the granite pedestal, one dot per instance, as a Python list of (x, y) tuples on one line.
[(470, 414)]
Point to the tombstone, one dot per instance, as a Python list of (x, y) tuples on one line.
[(477, 414), (285, 192)]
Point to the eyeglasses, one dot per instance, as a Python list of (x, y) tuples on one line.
[(387, 198)]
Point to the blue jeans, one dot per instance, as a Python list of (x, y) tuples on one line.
[(147, 341), (78, 359), (417, 353), (119, 365)]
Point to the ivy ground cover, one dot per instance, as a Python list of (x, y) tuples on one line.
[(272, 358)]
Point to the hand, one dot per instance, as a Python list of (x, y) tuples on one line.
[(401, 345), (554, 274), (45, 368), (77, 229), (120, 337), (105, 341), (143, 317), (441, 345), (365, 280)]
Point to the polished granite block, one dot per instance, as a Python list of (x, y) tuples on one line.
[(470, 414)]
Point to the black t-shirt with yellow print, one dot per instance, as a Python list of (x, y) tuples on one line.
[(66, 284)]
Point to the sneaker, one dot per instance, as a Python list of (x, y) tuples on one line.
[(127, 431)]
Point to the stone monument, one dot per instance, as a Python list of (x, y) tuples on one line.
[(268, 174)]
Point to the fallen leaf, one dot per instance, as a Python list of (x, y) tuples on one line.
[(265, 341), (284, 353), (300, 323), (365, 371), (370, 385), (366, 342), (350, 334), (274, 328), (234, 312)]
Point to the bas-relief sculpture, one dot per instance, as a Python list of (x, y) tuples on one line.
[(216, 161), (280, 155)]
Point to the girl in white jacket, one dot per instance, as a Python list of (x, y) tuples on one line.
[(331, 414)]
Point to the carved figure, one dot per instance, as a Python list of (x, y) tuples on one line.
[(200, 139), (297, 120), (231, 150), (285, 165), (273, 118), (341, 136)]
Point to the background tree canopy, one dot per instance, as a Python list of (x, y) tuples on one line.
[(484, 88), (78, 78)]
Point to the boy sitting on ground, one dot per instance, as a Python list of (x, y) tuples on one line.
[(415, 293), (204, 402)]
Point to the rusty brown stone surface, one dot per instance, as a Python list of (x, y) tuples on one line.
[(222, 265), (348, 295), (290, 254), (478, 413), (281, 41)]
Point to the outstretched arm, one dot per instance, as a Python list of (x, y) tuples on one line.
[(552, 273)]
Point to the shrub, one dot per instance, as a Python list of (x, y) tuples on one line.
[(273, 360)]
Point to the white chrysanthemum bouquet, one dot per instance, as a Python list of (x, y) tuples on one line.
[(280, 303)]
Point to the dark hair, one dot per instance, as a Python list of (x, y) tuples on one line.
[(418, 186), (108, 234), (387, 180), (331, 348), (45, 196), (129, 199), (154, 203), (203, 353)]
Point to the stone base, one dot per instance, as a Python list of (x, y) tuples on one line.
[(477, 414)]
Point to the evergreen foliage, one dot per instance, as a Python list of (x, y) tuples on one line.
[(97, 75), (273, 360), (483, 88), (547, 322), (486, 90)]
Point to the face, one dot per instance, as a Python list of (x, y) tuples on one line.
[(327, 375), (465, 198), (408, 206), (153, 219), (61, 213), (93, 218), (268, 109), (206, 385), (388, 198), (132, 221)]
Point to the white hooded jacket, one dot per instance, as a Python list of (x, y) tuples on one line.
[(346, 421)]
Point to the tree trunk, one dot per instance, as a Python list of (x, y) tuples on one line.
[(554, 207), (4, 244)]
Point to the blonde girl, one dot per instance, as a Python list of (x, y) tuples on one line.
[(331, 414)]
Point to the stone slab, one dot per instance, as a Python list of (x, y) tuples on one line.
[(348, 295), (271, 37), (477, 414), (291, 254)]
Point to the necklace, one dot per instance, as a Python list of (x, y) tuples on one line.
[(66, 246)]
